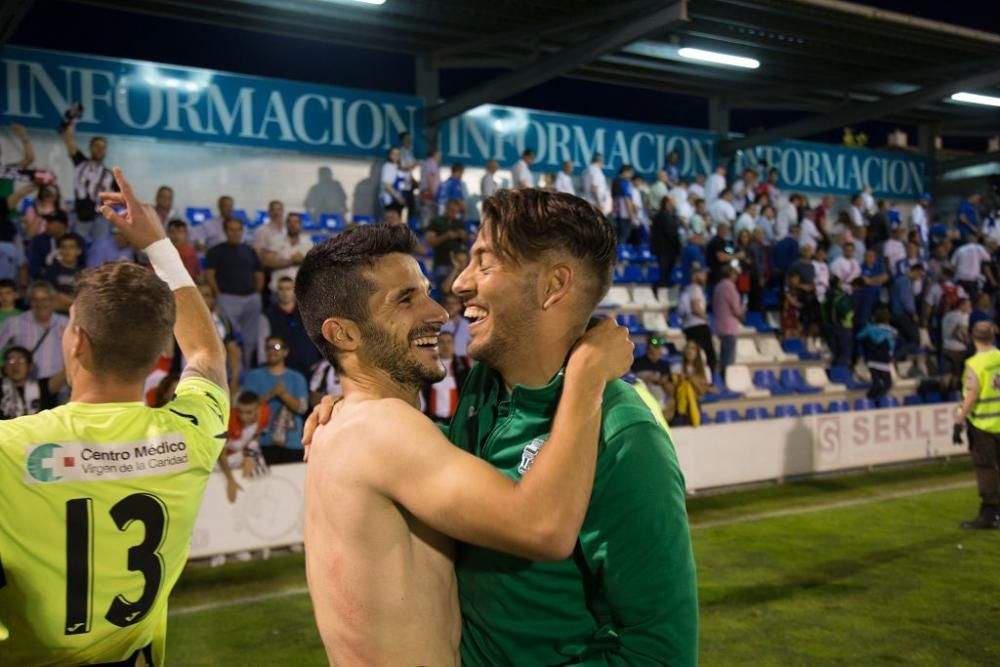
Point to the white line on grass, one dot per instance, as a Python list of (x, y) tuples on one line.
[(749, 518), (822, 507), (237, 602)]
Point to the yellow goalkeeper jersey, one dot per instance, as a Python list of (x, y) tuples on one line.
[(97, 506)]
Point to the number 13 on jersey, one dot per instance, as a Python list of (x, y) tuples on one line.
[(143, 558)]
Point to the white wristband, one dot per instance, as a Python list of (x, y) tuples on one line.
[(168, 265)]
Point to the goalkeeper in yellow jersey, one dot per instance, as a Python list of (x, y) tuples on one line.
[(98, 497)]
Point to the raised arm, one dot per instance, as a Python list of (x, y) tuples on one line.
[(29, 153), (194, 327), (69, 138), (467, 498)]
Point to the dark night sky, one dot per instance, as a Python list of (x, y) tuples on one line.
[(139, 37)]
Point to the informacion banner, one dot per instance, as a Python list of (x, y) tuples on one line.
[(186, 104), (199, 105)]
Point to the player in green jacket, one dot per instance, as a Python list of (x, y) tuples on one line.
[(628, 594)]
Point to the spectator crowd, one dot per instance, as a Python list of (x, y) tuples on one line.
[(854, 280)]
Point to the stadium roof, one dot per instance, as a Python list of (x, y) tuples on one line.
[(841, 62)]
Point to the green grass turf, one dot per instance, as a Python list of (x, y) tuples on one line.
[(884, 582)]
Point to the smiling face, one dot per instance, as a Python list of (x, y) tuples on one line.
[(499, 301), (400, 335)]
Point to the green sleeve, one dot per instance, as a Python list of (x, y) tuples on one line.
[(637, 539)]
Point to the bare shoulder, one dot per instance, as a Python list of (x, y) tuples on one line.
[(376, 433)]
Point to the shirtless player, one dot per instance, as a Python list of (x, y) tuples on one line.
[(384, 487)]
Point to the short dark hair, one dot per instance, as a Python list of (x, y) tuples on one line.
[(58, 215), (528, 223), (527, 152), (332, 280), (99, 137), (175, 223), (70, 237), (457, 166), (20, 350), (231, 219), (128, 314), (247, 398), (164, 187), (7, 282)]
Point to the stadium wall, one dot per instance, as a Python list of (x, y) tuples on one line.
[(269, 511)]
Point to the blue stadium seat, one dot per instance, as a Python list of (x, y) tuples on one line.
[(258, 220), (754, 414), (913, 400), (795, 346), (619, 274), (812, 409), (362, 219), (785, 410), (755, 319), (724, 392), (933, 397), (318, 238), (888, 402), (838, 406), (633, 274), (864, 404), (954, 396), (197, 216), (644, 254), (332, 222), (792, 379), (640, 349), (308, 224), (677, 276), (240, 214), (771, 297), (727, 416), (674, 320), (625, 253), (842, 375), (706, 418), (653, 273), (765, 379)]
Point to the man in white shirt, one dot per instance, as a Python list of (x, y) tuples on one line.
[(564, 179), (285, 253), (920, 219), (788, 216), (698, 187), (846, 267), (745, 190), (522, 170), (716, 184), (747, 220), (209, 234), (658, 191), (595, 184), (895, 251), (855, 211), (972, 266), (275, 226), (868, 204), (808, 231), (456, 325), (722, 209), (488, 186)]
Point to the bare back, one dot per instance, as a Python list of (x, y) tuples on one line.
[(382, 583)]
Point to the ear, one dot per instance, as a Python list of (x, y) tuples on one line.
[(559, 280), (80, 346), (343, 334)]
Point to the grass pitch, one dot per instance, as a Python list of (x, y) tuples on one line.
[(862, 571)]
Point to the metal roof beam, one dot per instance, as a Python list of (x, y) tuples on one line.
[(862, 112), (11, 15), (567, 60), (963, 162), (522, 34)]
